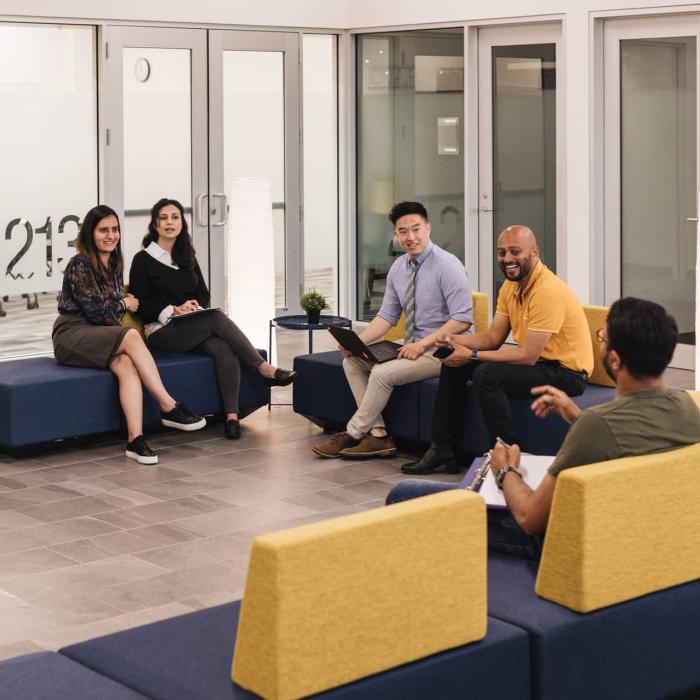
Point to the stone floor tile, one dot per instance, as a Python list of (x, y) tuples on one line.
[(32, 561), (102, 547), (82, 579), (232, 549), (236, 519), (171, 587), (69, 508)]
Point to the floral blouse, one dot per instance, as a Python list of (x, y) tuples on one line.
[(83, 292)]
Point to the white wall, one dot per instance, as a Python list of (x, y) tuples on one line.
[(273, 13)]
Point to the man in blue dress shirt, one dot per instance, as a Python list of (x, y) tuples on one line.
[(431, 287)]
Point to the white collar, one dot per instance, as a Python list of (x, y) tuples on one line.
[(161, 255)]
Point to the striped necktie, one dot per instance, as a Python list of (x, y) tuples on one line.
[(411, 302)]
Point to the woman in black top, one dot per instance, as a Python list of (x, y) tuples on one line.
[(88, 333), (167, 280)]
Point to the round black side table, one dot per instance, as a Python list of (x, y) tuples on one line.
[(299, 323)]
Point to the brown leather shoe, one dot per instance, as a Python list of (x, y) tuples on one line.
[(371, 446), (332, 447)]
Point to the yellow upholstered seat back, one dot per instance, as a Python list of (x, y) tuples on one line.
[(622, 529), (129, 320), (480, 310), (331, 602), (596, 317)]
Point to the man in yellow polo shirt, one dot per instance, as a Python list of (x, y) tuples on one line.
[(553, 347)]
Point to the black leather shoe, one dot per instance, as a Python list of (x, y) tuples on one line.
[(433, 461), (232, 429), (282, 377)]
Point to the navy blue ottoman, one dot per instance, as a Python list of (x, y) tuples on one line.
[(540, 436), (42, 401), (189, 658), (191, 378), (644, 648), (321, 394), (49, 676)]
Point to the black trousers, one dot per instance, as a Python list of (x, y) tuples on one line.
[(494, 383), (217, 335)]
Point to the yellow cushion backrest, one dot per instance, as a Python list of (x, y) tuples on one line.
[(480, 310), (597, 317), (129, 320), (328, 603), (622, 529)]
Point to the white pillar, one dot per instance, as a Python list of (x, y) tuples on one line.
[(250, 258)]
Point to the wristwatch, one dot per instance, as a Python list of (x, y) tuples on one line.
[(474, 356), (501, 474)]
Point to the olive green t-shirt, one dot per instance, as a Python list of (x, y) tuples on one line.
[(647, 421)]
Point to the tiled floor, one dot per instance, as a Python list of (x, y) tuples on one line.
[(92, 543)]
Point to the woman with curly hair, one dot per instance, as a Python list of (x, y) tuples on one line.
[(88, 333), (167, 280)]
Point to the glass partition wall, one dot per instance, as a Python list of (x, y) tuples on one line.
[(651, 156), (48, 141), (410, 145), (658, 181)]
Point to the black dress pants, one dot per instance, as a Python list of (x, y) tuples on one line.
[(217, 335), (494, 383)]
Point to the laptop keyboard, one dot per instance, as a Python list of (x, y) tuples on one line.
[(384, 351)]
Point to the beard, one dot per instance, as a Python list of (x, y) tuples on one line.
[(523, 270), (608, 369)]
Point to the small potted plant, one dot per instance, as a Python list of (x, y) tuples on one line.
[(312, 301)]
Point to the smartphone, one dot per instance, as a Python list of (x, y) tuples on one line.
[(443, 351)]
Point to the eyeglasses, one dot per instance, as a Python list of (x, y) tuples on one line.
[(600, 335)]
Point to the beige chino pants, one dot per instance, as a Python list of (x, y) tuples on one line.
[(371, 385)]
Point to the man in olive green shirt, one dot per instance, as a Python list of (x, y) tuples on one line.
[(646, 416)]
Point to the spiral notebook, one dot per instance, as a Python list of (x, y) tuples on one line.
[(533, 468)]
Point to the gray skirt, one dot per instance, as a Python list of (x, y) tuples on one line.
[(79, 343)]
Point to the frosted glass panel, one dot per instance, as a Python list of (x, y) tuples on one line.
[(524, 145), (48, 173), (254, 134), (157, 137), (658, 174), (321, 167)]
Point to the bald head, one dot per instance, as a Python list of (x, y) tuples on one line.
[(517, 253), (517, 234)]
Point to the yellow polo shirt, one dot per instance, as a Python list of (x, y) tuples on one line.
[(548, 305)]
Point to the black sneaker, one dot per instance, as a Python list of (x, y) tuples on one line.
[(182, 418), (139, 450)]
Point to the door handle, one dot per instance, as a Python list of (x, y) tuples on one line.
[(198, 209), (224, 219), (692, 218)]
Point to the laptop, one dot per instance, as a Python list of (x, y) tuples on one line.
[(383, 351)]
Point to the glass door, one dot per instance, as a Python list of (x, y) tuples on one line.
[(255, 135), (156, 130), (651, 156), (410, 146), (519, 147)]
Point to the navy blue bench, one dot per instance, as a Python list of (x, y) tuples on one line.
[(48, 676), (189, 658), (322, 394), (41, 401), (648, 647)]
